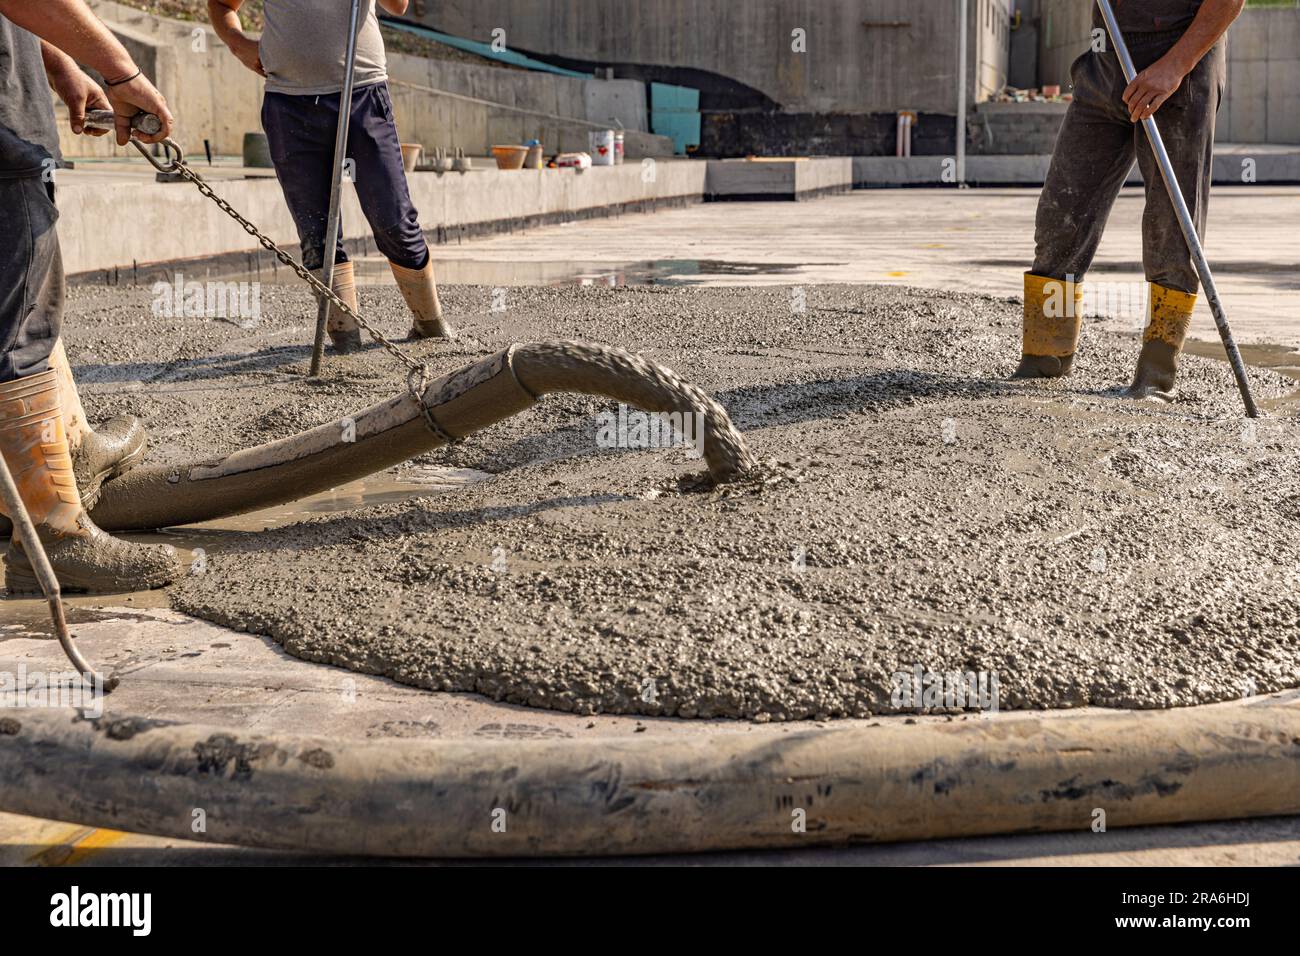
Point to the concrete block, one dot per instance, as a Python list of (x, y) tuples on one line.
[(1247, 113), (1248, 38), (1282, 27), (1284, 101), (616, 103), (778, 179)]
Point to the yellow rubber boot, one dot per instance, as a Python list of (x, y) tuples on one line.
[(1053, 320), (1169, 316), (85, 558), (421, 294), (345, 334)]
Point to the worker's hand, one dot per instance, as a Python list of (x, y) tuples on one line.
[(1151, 88), (248, 51), (80, 93), (137, 96)]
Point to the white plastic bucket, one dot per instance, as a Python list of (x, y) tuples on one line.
[(602, 147)]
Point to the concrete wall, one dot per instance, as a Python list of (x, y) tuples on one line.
[(210, 93), (95, 236), (436, 118), (214, 97), (1263, 98), (864, 56), (1263, 101)]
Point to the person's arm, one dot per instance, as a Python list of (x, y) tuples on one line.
[(395, 7), (74, 87), (224, 15), (69, 26), (1154, 85)]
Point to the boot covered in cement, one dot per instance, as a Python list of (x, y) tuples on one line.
[(1053, 320), (1169, 316), (345, 334), (98, 455), (421, 294), (85, 558)]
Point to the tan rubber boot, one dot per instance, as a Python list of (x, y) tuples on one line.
[(85, 558), (1169, 316), (98, 455), (1053, 320), (343, 330), (421, 294)]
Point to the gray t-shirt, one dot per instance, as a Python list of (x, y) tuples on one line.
[(305, 46), (29, 140)]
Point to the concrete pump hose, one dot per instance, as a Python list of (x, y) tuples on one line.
[(771, 787), (459, 404), (577, 367)]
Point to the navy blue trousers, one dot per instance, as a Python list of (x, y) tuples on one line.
[(301, 131)]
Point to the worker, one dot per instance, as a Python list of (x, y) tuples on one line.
[(1178, 47), (303, 53), (57, 461)]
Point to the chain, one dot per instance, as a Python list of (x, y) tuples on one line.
[(417, 373)]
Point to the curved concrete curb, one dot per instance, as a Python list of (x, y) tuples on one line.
[(407, 798)]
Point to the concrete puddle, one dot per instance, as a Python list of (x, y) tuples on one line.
[(374, 271)]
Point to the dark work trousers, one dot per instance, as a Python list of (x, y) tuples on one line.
[(301, 131), (31, 277), (1094, 155)]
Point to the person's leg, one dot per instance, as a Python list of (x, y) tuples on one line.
[(1092, 159), (386, 201), (1187, 124), (300, 131), (33, 438)]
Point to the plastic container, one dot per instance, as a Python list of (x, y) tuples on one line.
[(257, 151), (603, 145), (573, 161), (411, 156), (510, 157)]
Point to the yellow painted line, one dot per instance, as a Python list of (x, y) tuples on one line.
[(76, 846), (897, 275)]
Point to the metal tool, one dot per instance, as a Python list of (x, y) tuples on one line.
[(1184, 218), (25, 532), (145, 123), (173, 162), (336, 186)]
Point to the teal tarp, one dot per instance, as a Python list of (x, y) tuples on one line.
[(483, 49), (675, 112)]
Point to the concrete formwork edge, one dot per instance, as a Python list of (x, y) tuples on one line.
[(771, 788)]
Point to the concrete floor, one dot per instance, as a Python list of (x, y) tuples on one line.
[(974, 240), (177, 667)]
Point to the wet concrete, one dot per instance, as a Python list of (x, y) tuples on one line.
[(919, 510)]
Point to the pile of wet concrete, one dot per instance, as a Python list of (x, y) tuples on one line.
[(916, 513)]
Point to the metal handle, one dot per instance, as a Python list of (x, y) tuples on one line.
[(1184, 218), (145, 123)]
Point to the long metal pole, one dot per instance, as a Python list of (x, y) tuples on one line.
[(25, 531), (1184, 218), (336, 186), (963, 38)]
